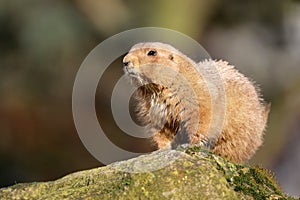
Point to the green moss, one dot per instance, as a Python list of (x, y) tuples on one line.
[(195, 150), (252, 182)]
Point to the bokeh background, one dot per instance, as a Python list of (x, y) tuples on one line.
[(42, 44)]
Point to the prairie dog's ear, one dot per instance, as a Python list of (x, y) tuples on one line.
[(171, 57)]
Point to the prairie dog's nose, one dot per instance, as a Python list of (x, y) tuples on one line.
[(125, 63), (130, 60)]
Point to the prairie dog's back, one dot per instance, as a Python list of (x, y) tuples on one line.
[(246, 115)]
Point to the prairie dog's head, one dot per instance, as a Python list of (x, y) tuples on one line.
[(147, 62)]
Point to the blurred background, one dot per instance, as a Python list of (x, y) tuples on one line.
[(43, 43)]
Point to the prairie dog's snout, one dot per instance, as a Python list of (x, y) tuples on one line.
[(130, 61), (131, 68), (126, 61)]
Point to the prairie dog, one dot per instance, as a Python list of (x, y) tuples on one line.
[(172, 107)]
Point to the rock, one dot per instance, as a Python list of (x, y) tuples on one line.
[(189, 174)]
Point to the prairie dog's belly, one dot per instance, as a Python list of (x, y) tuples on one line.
[(160, 112)]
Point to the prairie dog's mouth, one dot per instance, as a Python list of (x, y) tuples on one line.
[(131, 72), (137, 78), (134, 76)]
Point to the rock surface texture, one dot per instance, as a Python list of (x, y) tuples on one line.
[(190, 174)]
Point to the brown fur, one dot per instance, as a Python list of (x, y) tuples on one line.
[(171, 110)]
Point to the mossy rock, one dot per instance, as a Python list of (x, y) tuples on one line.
[(190, 174)]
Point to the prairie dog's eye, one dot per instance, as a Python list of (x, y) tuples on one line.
[(151, 53)]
